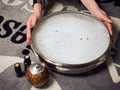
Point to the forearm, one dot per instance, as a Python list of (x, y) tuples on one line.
[(90, 5)]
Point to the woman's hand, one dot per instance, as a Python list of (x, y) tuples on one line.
[(95, 10), (33, 19), (101, 15)]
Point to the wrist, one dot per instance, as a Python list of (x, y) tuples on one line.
[(37, 8)]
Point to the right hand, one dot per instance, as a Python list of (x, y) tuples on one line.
[(33, 19), (102, 15)]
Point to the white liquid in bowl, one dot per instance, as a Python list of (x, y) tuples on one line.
[(71, 38)]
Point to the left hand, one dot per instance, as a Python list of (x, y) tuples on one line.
[(101, 15)]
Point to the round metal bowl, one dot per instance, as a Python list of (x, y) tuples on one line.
[(71, 42)]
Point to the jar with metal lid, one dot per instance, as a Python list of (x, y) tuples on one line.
[(37, 74)]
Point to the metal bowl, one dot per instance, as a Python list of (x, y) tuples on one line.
[(71, 42)]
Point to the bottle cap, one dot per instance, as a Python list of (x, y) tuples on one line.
[(17, 65), (27, 57)]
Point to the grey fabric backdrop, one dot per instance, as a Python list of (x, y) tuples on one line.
[(13, 18)]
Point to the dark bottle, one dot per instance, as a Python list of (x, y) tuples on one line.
[(18, 70), (27, 62)]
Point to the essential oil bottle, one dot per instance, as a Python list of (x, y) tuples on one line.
[(18, 70), (27, 62)]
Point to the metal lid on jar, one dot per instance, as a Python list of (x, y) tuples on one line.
[(36, 68)]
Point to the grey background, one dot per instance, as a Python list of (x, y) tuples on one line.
[(97, 79)]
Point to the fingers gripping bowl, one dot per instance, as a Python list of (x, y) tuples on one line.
[(71, 42)]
